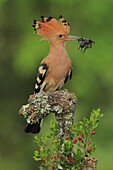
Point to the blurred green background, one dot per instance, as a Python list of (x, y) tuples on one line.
[(20, 54)]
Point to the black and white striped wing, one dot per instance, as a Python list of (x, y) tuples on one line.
[(42, 72), (69, 75)]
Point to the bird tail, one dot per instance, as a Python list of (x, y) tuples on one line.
[(33, 128)]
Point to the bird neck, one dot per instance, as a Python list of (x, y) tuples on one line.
[(58, 48)]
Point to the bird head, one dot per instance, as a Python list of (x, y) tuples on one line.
[(52, 29), (58, 31)]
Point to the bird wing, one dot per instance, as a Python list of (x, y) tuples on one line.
[(40, 84), (69, 75), (42, 72)]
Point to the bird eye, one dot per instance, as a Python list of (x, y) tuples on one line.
[(60, 35)]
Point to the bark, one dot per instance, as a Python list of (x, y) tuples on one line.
[(61, 103), (89, 163)]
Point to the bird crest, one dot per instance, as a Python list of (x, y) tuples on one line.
[(49, 27)]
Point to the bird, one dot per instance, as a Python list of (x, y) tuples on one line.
[(56, 68)]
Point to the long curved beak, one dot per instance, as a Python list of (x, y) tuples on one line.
[(74, 38)]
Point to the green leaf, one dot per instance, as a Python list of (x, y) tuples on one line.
[(37, 158), (36, 153)]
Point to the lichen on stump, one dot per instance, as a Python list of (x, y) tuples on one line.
[(61, 103), (89, 163)]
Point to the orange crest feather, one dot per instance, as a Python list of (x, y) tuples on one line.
[(50, 27)]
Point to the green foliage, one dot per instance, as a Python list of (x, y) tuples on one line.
[(68, 153)]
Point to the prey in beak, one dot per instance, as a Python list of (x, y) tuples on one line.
[(84, 43)]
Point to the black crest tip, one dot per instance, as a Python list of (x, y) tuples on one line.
[(33, 25), (42, 17), (34, 21), (60, 16), (50, 17)]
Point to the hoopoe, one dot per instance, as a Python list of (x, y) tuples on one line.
[(56, 67)]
